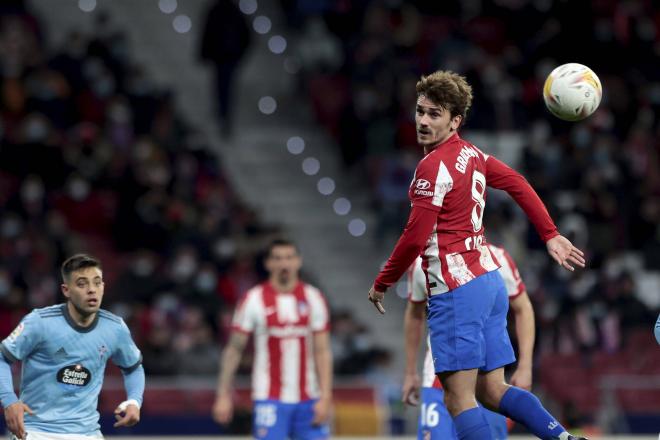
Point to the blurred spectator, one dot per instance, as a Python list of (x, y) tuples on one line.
[(94, 157), (225, 39)]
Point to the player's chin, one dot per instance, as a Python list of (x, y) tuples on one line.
[(91, 308), (423, 138)]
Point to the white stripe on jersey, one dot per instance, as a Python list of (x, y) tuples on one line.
[(458, 269), (290, 370), (434, 270), (486, 259), (443, 184), (428, 373), (311, 384), (260, 367)]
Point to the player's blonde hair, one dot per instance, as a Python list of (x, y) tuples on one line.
[(447, 89)]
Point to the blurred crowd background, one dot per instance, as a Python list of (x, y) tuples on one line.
[(94, 156)]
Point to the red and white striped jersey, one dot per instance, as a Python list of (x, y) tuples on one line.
[(418, 292), (451, 180), (283, 325), (448, 196)]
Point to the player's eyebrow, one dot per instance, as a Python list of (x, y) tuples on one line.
[(81, 278), (430, 107)]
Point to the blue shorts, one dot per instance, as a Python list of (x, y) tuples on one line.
[(274, 420), (435, 423), (467, 326)]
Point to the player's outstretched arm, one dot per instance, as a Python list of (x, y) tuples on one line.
[(223, 408), (415, 235), (413, 327), (523, 311), (501, 176), (657, 330)]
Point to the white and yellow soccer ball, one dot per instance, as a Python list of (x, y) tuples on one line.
[(572, 92)]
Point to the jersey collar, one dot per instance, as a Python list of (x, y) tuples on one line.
[(449, 140), (74, 325)]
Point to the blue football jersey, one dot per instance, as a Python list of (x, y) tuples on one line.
[(63, 366)]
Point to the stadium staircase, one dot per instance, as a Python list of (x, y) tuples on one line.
[(265, 174)]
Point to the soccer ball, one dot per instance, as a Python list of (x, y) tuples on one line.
[(572, 92)]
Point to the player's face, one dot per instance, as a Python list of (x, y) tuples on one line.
[(434, 123), (84, 290), (283, 263)]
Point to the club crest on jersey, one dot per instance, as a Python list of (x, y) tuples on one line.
[(303, 308), (102, 351), (73, 377), (16, 333)]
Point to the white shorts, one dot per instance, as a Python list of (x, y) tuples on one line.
[(33, 435)]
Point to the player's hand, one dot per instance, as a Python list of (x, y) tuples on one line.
[(377, 297), (223, 409), (321, 411), (127, 414), (410, 389), (564, 253), (522, 378), (14, 414)]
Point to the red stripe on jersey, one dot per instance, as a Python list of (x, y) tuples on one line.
[(303, 368), (275, 357), (303, 320), (236, 328), (302, 305), (274, 344)]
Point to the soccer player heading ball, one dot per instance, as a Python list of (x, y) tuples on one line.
[(469, 340), (64, 349)]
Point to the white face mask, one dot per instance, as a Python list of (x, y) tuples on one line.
[(206, 281), (143, 267), (184, 267), (5, 285), (32, 190), (78, 189)]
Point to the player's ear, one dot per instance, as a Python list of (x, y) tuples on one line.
[(298, 262), (65, 289), (456, 122)]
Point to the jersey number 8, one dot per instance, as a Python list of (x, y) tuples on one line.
[(478, 191)]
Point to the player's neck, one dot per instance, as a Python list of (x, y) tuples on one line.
[(430, 147), (79, 318), (284, 287)]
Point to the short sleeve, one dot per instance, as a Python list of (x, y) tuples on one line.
[(245, 315), (431, 184), (417, 290), (319, 316), (126, 355), (24, 339)]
